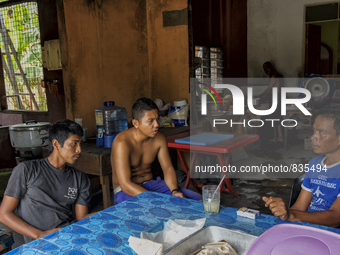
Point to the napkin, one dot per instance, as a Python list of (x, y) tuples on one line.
[(174, 231), (145, 246)]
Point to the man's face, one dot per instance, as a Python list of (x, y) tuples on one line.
[(71, 149), (149, 123), (324, 140), (267, 69)]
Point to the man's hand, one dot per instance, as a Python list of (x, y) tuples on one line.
[(277, 206), (178, 194), (47, 232)]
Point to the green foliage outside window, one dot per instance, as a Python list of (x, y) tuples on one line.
[(22, 23)]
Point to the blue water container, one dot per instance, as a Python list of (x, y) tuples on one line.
[(113, 122), (108, 139)]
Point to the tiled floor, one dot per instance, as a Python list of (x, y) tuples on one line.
[(252, 186)]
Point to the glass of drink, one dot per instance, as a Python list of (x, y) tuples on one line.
[(211, 203)]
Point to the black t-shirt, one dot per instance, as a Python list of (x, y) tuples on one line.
[(47, 194)]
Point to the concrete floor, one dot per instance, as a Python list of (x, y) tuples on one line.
[(251, 186)]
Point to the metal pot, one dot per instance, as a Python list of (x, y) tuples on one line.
[(29, 135), (213, 107)]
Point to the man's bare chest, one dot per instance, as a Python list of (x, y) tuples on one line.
[(142, 158)]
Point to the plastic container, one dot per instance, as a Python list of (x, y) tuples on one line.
[(108, 139), (110, 121), (239, 240), (295, 239), (180, 102), (114, 118)]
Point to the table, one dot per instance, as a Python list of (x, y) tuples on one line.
[(96, 161), (222, 150), (107, 232)]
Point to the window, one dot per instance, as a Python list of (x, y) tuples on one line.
[(322, 12), (21, 56)]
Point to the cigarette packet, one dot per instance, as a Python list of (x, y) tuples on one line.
[(248, 213)]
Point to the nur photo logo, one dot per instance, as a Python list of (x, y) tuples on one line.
[(239, 104)]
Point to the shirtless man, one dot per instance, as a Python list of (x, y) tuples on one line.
[(133, 152), (319, 199)]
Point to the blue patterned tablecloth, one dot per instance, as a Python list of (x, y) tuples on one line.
[(107, 232)]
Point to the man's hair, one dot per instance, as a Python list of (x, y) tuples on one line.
[(267, 63), (333, 114), (141, 106), (61, 130)]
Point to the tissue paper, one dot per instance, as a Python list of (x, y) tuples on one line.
[(174, 231), (144, 246)]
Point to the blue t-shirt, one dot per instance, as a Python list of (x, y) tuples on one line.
[(324, 183)]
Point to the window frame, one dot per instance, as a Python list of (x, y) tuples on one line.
[(3, 96)]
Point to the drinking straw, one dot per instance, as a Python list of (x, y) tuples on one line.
[(217, 187)]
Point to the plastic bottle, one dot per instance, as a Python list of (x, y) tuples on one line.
[(114, 118), (110, 120)]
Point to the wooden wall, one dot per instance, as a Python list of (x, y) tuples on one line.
[(168, 52), (223, 23), (120, 51), (49, 31)]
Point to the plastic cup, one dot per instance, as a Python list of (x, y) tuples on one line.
[(84, 134), (211, 204), (180, 102)]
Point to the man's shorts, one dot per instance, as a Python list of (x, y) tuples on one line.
[(159, 186)]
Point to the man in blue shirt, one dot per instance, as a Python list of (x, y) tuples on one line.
[(318, 201)]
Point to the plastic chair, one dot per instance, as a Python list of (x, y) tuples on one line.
[(296, 188)]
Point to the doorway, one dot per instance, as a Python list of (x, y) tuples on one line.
[(322, 39), (322, 48)]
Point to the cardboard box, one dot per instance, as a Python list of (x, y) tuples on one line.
[(308, 144)]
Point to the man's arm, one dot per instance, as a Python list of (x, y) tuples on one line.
[(170, 177), (279, 208), (120, 160), (7, 216), (269, 89), (298, 212), (82, 212), (329, 217)]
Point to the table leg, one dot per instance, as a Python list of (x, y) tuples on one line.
[(105, 182), (186, 168), (227, 180), (192, 162), (285, 138)]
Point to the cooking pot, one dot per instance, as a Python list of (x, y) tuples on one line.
[(214, 107), (29, 135)]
